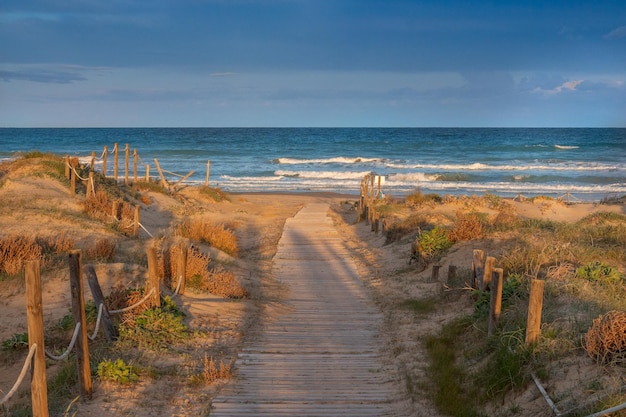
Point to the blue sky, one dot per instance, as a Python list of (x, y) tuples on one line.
[(78, 63)]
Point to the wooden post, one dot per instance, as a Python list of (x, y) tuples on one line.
[(535, 303), (104, 161), (78, 311), (67, 167), (208, 172), (489, 265), (107, 324), (163, 181), (90, 185), (182, 267), (153, 275), (435, 274), (93, 160), (147, 173), (72, 181), (136, 222), (495, 303), (135, 158), (34, 312), (477, 268), (126, 161), (451, 273), (115, 209), (116, 154)]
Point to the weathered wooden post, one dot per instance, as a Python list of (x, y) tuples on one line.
[(181, 264), (115, 209), (136, 221), (489, 265), (495, 302), (477, 268), (67, 167), (147, 173), (126, 163), (107, 324), (78, 311), (135, 158), (208, 173), (72, 181), (116, 154), (90, 185), (105, 153), (451, 273), (163, 181), (153, 275), (34, 314), (435, 274), (93, 161), (535, 303)]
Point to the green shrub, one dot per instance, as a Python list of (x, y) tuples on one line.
[(433, 242), (155, 329), (17, 341), (599, 272), (117, 371)]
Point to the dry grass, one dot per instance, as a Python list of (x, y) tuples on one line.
[(218, 236), (606, 339), (14, 250), (212, 372), (101, 250), (468, 226), (101, 206)]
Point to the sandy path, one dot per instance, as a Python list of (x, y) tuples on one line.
[(321, 358)]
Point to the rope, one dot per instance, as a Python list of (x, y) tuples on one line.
[(608, 411), (545, 395), (79, 177), (95, 332), (137, 304), (20, 378), (145, 230), (180, 281), (172, 173), (69, 348)]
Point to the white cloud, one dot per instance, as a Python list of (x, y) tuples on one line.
[(567, 85), (616, 33)]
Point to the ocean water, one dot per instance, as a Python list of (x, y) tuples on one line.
[(590, 164)]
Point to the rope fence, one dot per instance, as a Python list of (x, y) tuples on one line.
[(20, 378), (69, 349)]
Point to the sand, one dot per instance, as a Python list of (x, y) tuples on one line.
[(43, 207)]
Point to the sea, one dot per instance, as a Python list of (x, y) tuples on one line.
[(580, 164)]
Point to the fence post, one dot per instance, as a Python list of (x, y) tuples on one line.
[(90, 185), (126, 160), (104, 161), (182, 267), (477, 268), (153, 275), (435, 274), (208, 172), (116, 162), (136, 222), (535, 303), (147, 173), (495, 302), (135, 157), (38, 386), (93, 161), (487, 274), (107, 325), (72, 181), (78, 311), (67, 167)]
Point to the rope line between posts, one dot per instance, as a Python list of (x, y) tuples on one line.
[(76, 173), (145, 230), (180, 281), (20, 378), (69, 348), (172, 173), (137, 304), (95, 331)]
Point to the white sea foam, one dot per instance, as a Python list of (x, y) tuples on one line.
[(335, 175), (335, 160), (566, 147), (485, 167)]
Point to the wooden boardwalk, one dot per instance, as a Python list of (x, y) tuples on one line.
[(321, 358)]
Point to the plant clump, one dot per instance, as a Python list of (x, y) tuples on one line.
[(218, 236), (606, 339)]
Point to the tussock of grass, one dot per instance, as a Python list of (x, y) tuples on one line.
[(216, 235)]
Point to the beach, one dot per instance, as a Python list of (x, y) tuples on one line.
[(36, 204)]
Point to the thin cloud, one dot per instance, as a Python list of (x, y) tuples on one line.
[(616, 33), (41, 76), (566, 86)]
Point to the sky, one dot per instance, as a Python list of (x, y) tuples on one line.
[(312, 63)]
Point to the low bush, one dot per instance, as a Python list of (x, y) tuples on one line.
[(218, 236), (117, 371)]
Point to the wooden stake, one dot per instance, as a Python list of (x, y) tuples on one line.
[(67, 167), (495, 304), (72, 181), (116, 154), (163, 181), (489, 265), (182, 267), (126, 163), (34, 311), (147, 173), (78, 311), (107, 324), (477, 268), (136, 222), (435, 274), (535, 304), (105, 153), (153, 276), (135, 158), (208, 172), (93, 160)]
